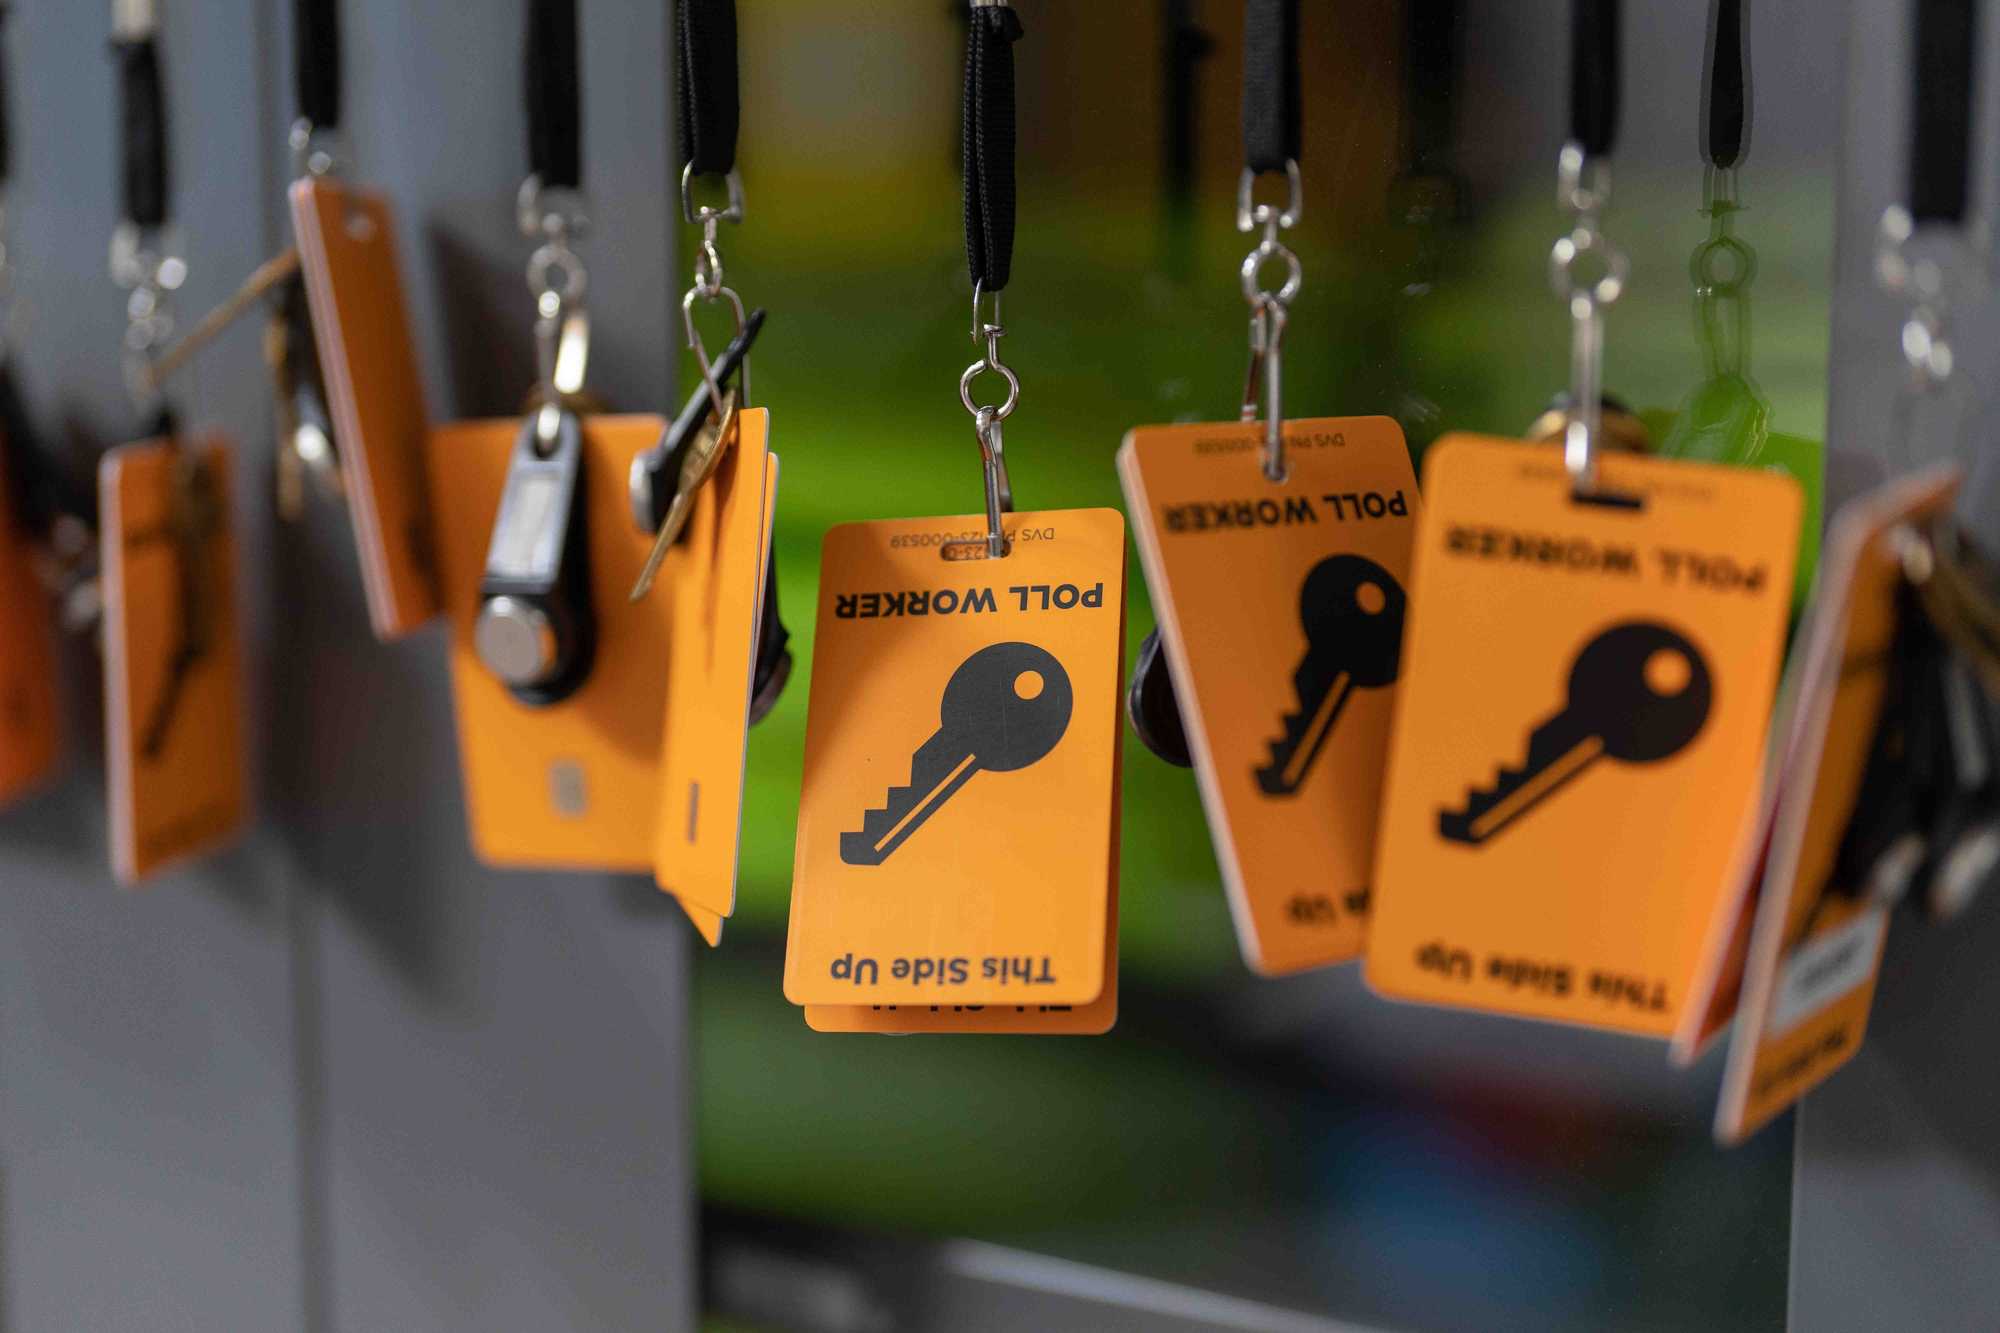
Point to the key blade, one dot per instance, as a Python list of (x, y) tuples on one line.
[(1305, 734), (704, 455), (1558, 750), (670, 528), (938, 769)]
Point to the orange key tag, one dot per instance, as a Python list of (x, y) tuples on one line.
[(30, 707), (347, 251), (1031, 1020), (717, 577), (962, 741), (173, 669), (1808, 979), (1281, 606), (572, 784), (1579, 732)]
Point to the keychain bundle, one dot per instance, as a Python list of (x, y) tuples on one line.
[(173, 690), (1593, 646), (555, 677), (1882, 788), (1278, 554), (565, 656), (708, 494), (958, 827)]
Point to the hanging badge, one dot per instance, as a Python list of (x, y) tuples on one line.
[(172, 657), (561, 773), (961, 743), (1579, 732), (347, 252), (1808, 977), (1281, 607), (29, 704), (718, 590)]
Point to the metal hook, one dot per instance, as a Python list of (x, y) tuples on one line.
[(1270, 308), (999, 489), (1583, 187), (700, 349)]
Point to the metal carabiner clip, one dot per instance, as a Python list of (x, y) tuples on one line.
[(986, 421)]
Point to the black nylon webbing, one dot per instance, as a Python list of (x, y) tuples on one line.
[(316, 61), (711, 108), (1725, 104), (1270, 84), (142, 124), (989, 145), (555, 112), (1593, 76), (1941, 109)]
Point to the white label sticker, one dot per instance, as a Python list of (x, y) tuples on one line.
[(1822, 970)]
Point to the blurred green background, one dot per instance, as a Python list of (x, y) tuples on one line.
[(1229, 1119)]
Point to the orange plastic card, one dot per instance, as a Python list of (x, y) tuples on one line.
[(362, 328), (29, 706), (708, 924), (173, 668), (1579, 731), (1281, 607), (1808, 981), (962, 742), (717, 577), (573, 784)]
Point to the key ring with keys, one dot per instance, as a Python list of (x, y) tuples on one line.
[(986, 419), (1269, 308), (558, 281)]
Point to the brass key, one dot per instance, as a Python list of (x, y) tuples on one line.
[(704, 452)]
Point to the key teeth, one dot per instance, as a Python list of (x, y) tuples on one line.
[(1456, 825), (1271, 774), (859, 848)]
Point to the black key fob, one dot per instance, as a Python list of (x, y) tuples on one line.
[(535, 630), (1153, 707), (774, 657), (656, 471)]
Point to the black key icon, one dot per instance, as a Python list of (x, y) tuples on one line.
[(1005, 708), (1352, 610), (1638, 692)]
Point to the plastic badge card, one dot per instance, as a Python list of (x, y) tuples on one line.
[(1579, 730), (173, 670), (348, 254), (572, 784), (29, 705), (1281, 606), (962, 743), (1019, 1019), (716, 575), (1808, 981)]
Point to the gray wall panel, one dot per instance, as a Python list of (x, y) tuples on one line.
[(343, 1077)]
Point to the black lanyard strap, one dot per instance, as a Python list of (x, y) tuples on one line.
[(142, 122), (1941, 110), (555, 113), (1593, 76), (1725, 105), (711, 107), (1270, 84), (989, 143), (316, 62)]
